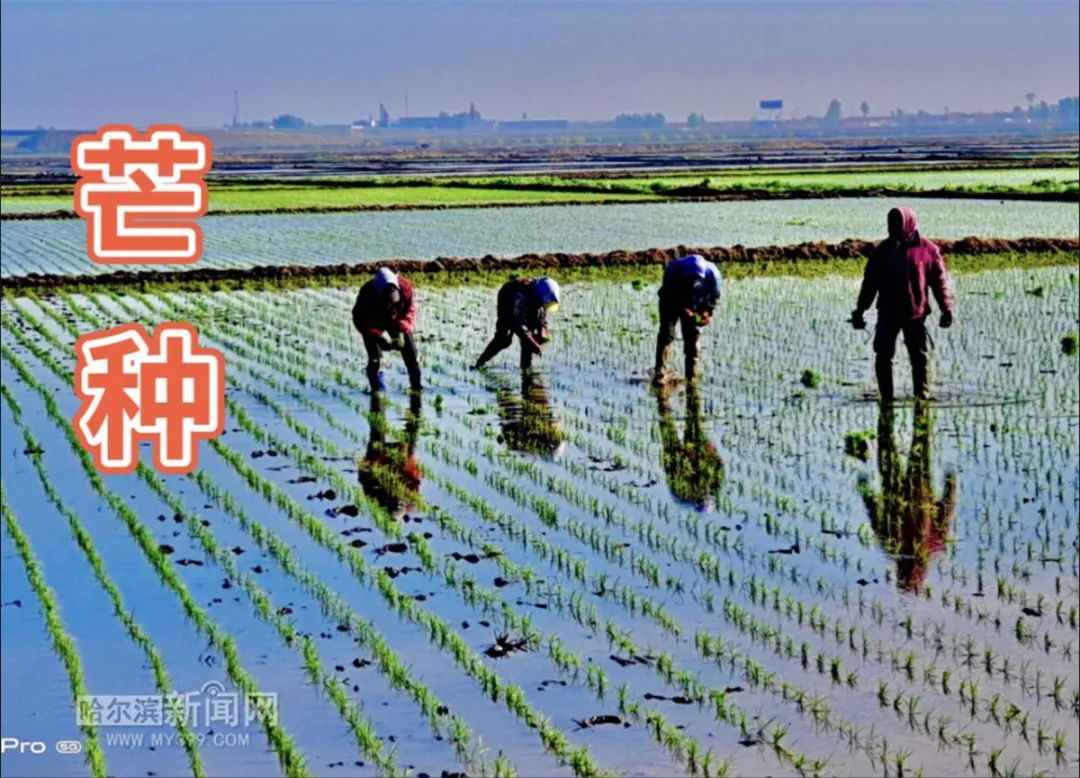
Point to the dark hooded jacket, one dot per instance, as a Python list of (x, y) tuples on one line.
[(903, 272), (519, 309), (688, 285), (370, 314)]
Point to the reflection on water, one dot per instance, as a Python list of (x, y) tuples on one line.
[(911, 522), (694, 469), (389, 473), (528, 423)]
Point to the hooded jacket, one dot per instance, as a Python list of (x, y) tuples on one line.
[(901, 271), (519, 308), (690, 282), (370, 314)]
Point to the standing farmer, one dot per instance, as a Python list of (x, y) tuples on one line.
[(384, 314), (522, 309), (898, 273), (688, 296)]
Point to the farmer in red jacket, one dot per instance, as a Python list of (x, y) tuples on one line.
[(384, 315), (902, 272)]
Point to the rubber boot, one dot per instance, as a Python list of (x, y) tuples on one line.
[(690, 367), (662, 353), (920, 379), (375, 378)]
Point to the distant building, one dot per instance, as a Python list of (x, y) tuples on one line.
[(458, 121), (534, 125)]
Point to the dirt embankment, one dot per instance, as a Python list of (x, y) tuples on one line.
[(848, 249)]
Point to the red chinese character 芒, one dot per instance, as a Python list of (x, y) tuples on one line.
[(166, 389), (141, 193)]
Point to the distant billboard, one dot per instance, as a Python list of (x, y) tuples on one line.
[(771, 105)]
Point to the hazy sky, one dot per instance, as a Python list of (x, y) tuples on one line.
[(80, 64)]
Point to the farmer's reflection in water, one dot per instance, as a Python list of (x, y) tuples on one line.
[(389, 473), (694, 469), (528, 423), (911, 523)]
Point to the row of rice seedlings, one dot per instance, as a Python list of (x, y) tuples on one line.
[(349, 431), (63, 643), (462, 737), (389, 662), (488, 600), (346, 430), (817, 622), (906, 705), (97, 565), (292, 761), (362, 631), (689, 685), (513, 696)]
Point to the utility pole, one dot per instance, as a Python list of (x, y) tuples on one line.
[(236, 107)]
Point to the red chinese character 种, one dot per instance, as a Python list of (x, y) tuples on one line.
[(166, 389)]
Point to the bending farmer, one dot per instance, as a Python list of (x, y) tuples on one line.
[(688, 296), (522, 309), (384, 314), (899, 273)]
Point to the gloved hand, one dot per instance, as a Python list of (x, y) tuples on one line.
[(531, 344), (946, 320), (389, 343), (857, 320)]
